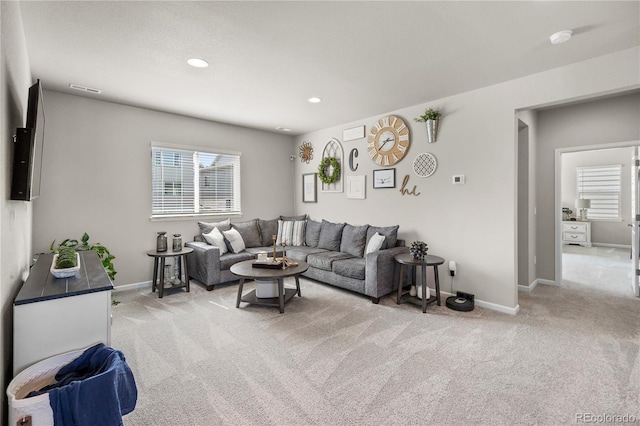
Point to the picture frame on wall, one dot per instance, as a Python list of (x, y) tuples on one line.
[(356, 187), (384, 178), (310, 188), (353, 134)]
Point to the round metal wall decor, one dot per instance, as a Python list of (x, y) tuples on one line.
[(425, 164)]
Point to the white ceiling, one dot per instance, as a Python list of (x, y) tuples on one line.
[(266, 58)]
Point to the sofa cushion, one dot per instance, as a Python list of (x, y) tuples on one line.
[(330, 235), (215, 238), (325, 259), (291, 232), (206, 227), (354, 239), (352, 268), (312, 233), (228, 259), (301, 253), (268, 228), (390, 235), (300, 217), (374, 244), (234, 241), (249, 232)]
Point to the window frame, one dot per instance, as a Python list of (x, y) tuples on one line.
[(233, 209)]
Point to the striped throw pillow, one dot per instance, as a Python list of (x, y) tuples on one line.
[(291, 232)]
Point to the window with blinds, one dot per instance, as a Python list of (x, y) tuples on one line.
[(601, 185), (190, 182)]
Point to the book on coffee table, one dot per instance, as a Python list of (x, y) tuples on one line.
[(267, 264)]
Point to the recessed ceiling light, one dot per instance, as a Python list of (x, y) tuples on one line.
[(198, 63), (314, 100), (283, 129), (560, 36)]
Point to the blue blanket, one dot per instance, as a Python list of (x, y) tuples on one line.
[(95, 389)]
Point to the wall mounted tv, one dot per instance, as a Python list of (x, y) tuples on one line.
[(28, 148)]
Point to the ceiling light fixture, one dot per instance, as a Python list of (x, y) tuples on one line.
[(198, 63), (84, 88), (314, 100), (283, 129), (560, 36)]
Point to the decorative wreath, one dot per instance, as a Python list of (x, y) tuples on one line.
[(329, 161)]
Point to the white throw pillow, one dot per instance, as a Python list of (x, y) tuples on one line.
[(215, 238), (233, 237), (291, 232), (375, 243)]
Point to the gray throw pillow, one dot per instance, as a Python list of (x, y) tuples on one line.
[(301, 217), (354, 239), (312, 233), (267, 228), (249, 232), (206, 227), (330, 235), (390, 235)]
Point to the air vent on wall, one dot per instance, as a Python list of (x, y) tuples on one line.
[(84, 89)]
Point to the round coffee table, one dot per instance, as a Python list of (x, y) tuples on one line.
[(245, 270)]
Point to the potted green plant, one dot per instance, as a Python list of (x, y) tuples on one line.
[(431, 118), (103, 253)]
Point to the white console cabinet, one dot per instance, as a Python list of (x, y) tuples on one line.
[(52, 316), (575, 232)]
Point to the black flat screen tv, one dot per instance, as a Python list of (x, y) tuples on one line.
[(28, 149)]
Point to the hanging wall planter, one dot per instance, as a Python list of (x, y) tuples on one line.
[(431, 118)]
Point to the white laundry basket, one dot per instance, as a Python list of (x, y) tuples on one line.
[(34, 378)]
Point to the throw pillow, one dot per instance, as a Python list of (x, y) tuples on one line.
[(215, 238), (390, 233), (268, 228), (249, 232), (312, 233), (330, 235), (375, 243), (291, 232), (301, 217), (233, 237), (206, 227), (354, 239)]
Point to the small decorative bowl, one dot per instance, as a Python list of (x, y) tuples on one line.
[(65, 272)]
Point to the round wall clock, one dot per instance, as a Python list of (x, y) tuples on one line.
[(388, 141)]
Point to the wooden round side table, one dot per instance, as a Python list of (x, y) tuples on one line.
[(159, 258), (405, 259)]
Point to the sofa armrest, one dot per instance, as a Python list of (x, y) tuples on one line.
[(381, 275), (204, 263)]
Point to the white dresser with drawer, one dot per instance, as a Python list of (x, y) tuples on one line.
[(575, 232)]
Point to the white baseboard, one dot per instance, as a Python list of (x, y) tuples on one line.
[(547, 282), (621, 246), (528, 288), (132, 286)]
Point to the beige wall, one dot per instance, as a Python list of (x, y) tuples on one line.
[(15, 216), (598, 122), (97, 176), (602, 232), (473, 224)]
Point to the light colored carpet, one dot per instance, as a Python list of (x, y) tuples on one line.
[(605, 269), (334, 358)]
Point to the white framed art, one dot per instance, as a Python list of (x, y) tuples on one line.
[(356, 187)]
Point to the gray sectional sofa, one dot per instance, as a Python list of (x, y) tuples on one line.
[(336, 252)]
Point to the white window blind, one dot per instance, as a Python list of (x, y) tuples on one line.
[(601, 185), (188, 181)]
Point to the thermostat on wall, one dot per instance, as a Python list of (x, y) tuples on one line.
[(458, 179)]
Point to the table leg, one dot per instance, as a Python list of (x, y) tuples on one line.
[(281, 294), (298, 286), (161, 283), (155, 274), (186, 272), (424, 289), (400, 285), (239, 292), (437, 280)]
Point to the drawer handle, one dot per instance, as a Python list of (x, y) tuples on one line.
[(574, 227)]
